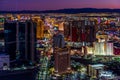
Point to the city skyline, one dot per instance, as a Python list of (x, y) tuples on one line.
[(16, 5)]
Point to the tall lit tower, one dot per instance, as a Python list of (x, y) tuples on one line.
[(40, 27), (62, 61)]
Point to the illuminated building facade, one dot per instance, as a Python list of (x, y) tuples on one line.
[(109, 49), (4, 59), (103, 48), (40, 27), (80, 30), (94, 70), (99, 48), (62, 61)]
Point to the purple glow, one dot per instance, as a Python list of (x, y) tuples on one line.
[(56, 4)]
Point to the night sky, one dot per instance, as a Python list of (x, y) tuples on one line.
[(56, 4)]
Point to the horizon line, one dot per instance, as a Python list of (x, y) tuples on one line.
[(60, 9)]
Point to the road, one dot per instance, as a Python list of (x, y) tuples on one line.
[(43, 73)]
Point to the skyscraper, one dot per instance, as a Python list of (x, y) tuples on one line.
[(20, 38), (40, 27), (62, 61), (10, 39)]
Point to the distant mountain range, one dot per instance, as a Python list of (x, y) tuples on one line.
[(68, 11)]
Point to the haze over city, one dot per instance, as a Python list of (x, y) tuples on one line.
[(7, 5)]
